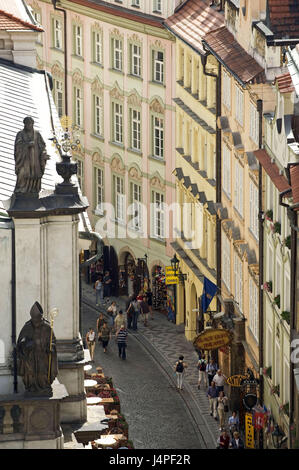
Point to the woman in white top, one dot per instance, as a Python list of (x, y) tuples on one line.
[(222, 405), (91, 342)]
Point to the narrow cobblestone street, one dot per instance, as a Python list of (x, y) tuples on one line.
[(158, 415)]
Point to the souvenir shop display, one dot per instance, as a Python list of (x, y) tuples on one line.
[(159, 289)]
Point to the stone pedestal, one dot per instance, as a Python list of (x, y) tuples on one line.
[(32, 423)]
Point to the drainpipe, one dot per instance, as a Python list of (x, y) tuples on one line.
[(218, 170), (261, 268), (13, 308), (65, 55)]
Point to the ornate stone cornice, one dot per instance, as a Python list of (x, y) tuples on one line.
[(97, 158), (96, 86), (116, 93), (135, 38), (157, 183), (134, 174), (97, 27), (78, 77), (116, 33), (156, 106), (117, 166), (57, 71), (134, 100)]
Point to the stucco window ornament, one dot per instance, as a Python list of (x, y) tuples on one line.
[(78, 78), (157, 183), (97, 87), (134, 174), (97, 158), (156, 107), (57, 71), (117, 166), (116, 94), (116, 33), (134, 100)]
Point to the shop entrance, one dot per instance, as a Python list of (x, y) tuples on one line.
[(126, 274), (159, 289)]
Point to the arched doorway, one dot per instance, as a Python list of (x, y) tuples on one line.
[(141, 276), (126, 273), (159, 288)]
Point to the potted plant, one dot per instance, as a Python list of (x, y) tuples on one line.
[(277, 227), (269, 215), (268, 286), (286, 408), (285, 315), (267, 371), (275, 390), (277, 300), (287, 242)]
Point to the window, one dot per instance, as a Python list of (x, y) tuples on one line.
[(286, 381), (158, 66), (239, 105), (226, 176), (158, 134), (226, 90), (78, 40), (278, 280), (98, 115), (136, 221), (158, 214), (57, 33), (277, 364), (99, 185), (238, 268), (117, 48), (135, 60), (253, 308), (239, 188), (80, 175), (269, 348), (136, 3), (97, 38), (135, 129), (58, 96), (287, 304), (254, 208), (78, 107), (225, 260), (117, 111), (119, 198), (157, 6), (38, 18), (254, 124)]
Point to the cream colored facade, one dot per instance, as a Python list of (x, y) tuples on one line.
[(196, 182)]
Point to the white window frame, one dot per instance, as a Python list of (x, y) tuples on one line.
[(226, 176), (98, 115), (136, 60), (136, 221), (57, 33), (287, 291), (78, 107), (58, 90), (226, 260), (78, 40), (253, 308), (238, 271), (239, 182), (226, 90), (136, 3), (118, 123), (158, 66), (120, 199), (158, 215), (254, 209), (157, 6), (99, 185), (135, 129), (239, 105), (117, 54), (254, 124), (80, 173), (98, 47), (158, 137)]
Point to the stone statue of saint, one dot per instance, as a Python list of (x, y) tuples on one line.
[(37, 358), (30, 159)]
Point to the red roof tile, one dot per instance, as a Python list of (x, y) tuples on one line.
[(285, 83), (11, 22), (284, 18), (294, 174), (235, 58), (272, 170), (193, 20)]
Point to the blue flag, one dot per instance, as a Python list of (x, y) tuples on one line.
[(209, 290)]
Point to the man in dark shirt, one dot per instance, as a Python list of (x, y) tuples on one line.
[(121, 336), (144, 308), (107, 284), (212, 394)]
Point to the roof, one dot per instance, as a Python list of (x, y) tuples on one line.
[(229, 52), (294, 177), (285, 83), (23, 92), (272, 170), (283, 18), (193, 20), (9, 22)]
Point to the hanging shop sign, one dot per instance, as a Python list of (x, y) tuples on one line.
[(170, 277), (235, 380), (250, 400), (213, 339), (249, 431)]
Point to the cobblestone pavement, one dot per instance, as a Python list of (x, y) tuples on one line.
[(164, 342)]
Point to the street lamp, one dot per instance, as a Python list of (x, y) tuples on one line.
[(175, 264), (277, 437)]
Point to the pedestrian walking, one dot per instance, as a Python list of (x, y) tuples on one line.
[(202, 374), (105, 335), (100, 322), (224, 440), (179, 368), (139, 297), (133, 310), (129, 312), (222, 409), (99, 288), (91, 342), (149, 299), (211, 369), (236, 442), (219, 380), (119, 320), (107, 284), (212, 394), (111, 312), (121, 336), (144, 309), (233, 423)]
